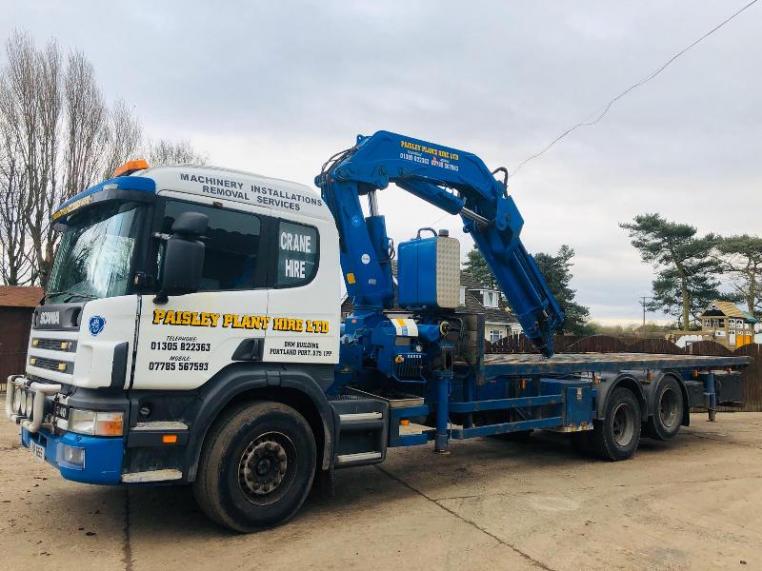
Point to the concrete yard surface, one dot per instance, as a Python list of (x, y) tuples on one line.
[(693, 503)]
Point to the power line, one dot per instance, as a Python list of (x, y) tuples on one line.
[(646, 79), (438, 220), (610, 104)]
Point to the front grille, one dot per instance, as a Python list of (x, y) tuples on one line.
[(52, 364), (411, 366), (54, 344)]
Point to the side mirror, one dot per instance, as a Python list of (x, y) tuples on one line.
[(183, 259)]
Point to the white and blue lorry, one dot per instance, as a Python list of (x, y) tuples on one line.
[(190, 334)]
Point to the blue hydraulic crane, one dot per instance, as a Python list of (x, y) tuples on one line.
[(455, 181)]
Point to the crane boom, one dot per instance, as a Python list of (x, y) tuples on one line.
[(459, 183)]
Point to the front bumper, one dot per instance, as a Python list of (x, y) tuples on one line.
[(101, 456), (78, 457)]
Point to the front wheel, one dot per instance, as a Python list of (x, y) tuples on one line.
[(616, 437), (256, 467)]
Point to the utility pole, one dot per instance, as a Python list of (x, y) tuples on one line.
[(643, 303)]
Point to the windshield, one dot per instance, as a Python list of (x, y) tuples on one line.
[(95, 255)]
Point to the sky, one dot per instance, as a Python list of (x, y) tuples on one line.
[(277, 87)]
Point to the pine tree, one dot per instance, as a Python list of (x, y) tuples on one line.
[(558, 274), (686, 279), (477, 266)]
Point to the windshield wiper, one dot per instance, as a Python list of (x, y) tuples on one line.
[(71, 295)]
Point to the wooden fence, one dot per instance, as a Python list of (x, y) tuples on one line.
[(752, 375)]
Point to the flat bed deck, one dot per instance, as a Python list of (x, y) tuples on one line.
[(515, 364)]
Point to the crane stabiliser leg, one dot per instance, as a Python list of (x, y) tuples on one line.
[(710, 395), (442, 436)]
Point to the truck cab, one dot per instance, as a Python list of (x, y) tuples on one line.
[(125, 376)]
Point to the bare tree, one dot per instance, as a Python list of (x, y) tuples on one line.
[(86, 125), (164, 152), (57, 137), (31, 106), (14, 261), (123, 137), (47, 191)]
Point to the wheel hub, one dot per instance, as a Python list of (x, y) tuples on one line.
[(623, 425), (668, 409), (263, 465)]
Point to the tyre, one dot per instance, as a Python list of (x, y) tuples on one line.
[(616, 437), (256, 467), (668, 410), (582, 442)]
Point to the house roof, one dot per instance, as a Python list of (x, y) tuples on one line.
[(492, 315), (20, 296), (727, 309), (498, 316), (472, 303), (470, 282)]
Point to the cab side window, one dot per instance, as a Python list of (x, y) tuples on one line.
[(233, 240), (298, 253)]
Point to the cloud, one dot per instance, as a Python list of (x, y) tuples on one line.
[(278, 87)]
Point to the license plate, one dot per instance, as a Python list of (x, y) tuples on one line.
[(37, 451)]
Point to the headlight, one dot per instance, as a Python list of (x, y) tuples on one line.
[(70, 456), (23, 408), (96, 423), (17, 399), (29, 403)]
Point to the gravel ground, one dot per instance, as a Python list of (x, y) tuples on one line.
[(693, 503)]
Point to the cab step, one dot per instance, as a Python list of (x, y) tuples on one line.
[(358, 458), (362, 435)]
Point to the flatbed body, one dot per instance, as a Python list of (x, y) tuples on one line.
[(567, 392), (520, 364)]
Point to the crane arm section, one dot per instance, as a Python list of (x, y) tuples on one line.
[(458, 183)]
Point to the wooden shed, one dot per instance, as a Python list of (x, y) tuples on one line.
[(728, 324), (16, 306)]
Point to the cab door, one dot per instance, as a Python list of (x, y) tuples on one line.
[(305, 300), (186, 340)]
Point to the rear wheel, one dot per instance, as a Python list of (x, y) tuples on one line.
[(257, 466), (667, 416), (616, 437)]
